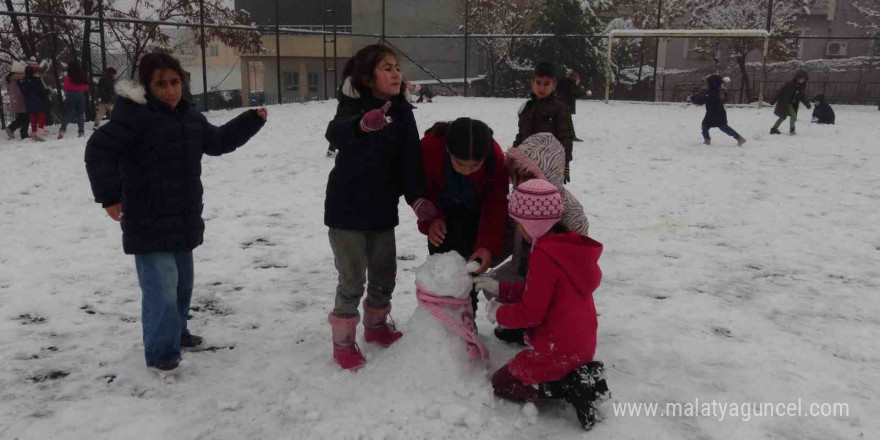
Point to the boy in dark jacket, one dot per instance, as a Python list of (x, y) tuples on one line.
[(787, 100), (544, 112), (106, 95), (822, 114), (713, 97), (35, 100)]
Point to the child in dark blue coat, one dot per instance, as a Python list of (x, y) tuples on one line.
[(146, 164), (822, 113), (713, 97)]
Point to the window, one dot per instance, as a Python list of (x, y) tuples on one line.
[(313, 82), (836, 49), (213, 50), (291, 81)]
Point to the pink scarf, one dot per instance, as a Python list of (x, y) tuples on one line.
[(432, 304)]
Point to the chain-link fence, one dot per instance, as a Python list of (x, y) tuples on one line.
[(233, 62)]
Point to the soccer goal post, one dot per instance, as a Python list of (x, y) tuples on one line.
[(687, 33)]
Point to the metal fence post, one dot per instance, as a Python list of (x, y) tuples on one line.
[(205, 105), (657, 50), (103, 42), (278, 49), (324, 43), (467, 12)]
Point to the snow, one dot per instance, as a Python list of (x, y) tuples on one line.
[(730, 274), (445, 275)]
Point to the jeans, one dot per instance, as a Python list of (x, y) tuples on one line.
[(74, 105), (166, 280), (362, 256), (725, 128)]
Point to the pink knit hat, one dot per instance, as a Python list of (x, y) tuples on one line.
[(537, 206)]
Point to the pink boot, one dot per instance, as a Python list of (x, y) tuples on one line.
[(377, 329), (345, 350)]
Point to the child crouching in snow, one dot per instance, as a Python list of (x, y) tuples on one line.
[(146, 164), (555, 304), (713, 97)]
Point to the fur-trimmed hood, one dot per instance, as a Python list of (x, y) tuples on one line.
[(132, 91)]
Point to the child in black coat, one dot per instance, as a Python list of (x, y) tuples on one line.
[(822, 114), (713, 97), (146, 164)]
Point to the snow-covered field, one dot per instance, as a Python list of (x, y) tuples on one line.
[(739, 275)]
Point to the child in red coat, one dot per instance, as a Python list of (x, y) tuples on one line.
[(555, 304)]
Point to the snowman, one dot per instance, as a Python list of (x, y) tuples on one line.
[(443, 287)]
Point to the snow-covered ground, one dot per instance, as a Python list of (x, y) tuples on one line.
[(740, 275)]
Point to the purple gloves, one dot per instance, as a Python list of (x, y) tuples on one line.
[(425, 209), (375, 120)]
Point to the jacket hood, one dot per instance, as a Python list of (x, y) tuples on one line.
[(349, 91), (801, 74), (577, 256), (714, 81), (540, 156), (132, 91), (820, 97)]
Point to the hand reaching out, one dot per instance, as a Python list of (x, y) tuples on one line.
[(115, 211)]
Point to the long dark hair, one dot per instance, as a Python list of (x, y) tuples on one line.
[(161, 61), (469, 139), (361, 67), (76, 73)]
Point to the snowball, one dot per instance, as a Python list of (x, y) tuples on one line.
[(445, 275)]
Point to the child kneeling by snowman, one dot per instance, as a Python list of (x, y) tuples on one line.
[(554, 304)]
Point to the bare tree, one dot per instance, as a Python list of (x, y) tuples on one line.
[(138, 39), (499, 17)]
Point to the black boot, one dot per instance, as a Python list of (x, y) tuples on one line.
[(191, 341), (167, 364), (791, 130), (584, 388), (510, 335), (775, 130), (551, 390)]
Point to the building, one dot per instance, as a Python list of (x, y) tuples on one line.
[(302, 75)]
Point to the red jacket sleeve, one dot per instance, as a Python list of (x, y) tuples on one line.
[(511, 292), (433, 150), (540, 288), (493, 213)]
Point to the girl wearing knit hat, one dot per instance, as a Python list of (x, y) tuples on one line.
[(555, 305)]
